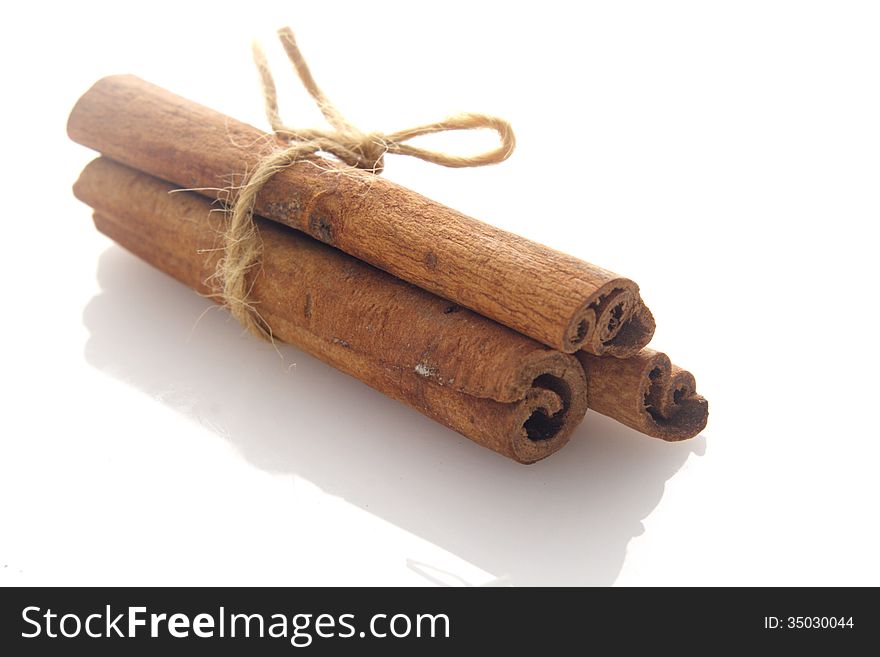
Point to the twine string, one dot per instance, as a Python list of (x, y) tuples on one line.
[(242, 246)]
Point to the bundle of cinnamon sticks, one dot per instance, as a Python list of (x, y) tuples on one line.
[(502, 339)]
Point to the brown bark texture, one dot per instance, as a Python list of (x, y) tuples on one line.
[(556, 299), (646, 392), (497, 387)]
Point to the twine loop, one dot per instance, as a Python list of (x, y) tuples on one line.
[(242, 246)]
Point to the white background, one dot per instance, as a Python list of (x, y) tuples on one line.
[(726, 155)]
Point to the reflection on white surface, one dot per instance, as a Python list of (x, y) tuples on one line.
[(565, 520)]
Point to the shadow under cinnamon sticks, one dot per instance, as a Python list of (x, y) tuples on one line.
[(563, 521)]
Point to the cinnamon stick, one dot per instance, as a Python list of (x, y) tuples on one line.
[(648, 393), (554, 298), (489, 383)]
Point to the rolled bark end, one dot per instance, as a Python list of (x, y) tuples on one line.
[(613, 321), (648, 393), (543, 421)]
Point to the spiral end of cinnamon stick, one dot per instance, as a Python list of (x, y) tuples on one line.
[(545, 418), (613, 321), (672, 402), (647, 393)]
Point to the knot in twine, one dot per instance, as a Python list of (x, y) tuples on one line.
[(344, 141)]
